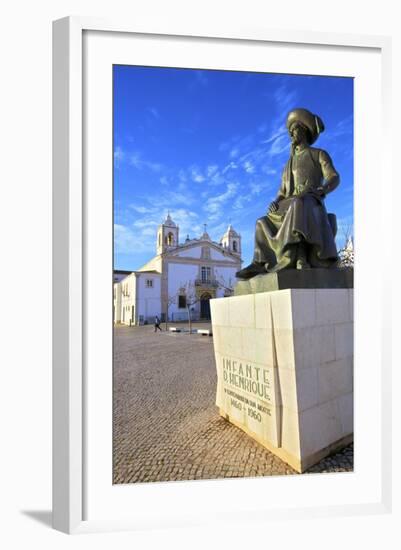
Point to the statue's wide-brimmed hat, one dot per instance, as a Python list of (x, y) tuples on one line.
[(313, 123)]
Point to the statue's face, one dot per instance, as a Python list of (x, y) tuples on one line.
[(298, 134)]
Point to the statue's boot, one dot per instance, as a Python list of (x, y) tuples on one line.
[(255, 268), (287, 260)]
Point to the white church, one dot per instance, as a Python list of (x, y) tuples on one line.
[(180, 276)]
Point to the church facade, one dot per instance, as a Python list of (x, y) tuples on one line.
[(179, 277)]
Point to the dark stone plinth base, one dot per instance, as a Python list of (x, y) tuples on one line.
[(296, 278)]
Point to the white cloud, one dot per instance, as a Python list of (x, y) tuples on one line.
[(119, 156), (276, 133), (128, 241), (279, 146), (196, 175), (230, 166), (141, 209), (215, 204), (211, 170), (267, 169), (285, 98), (256, 188), (148, 232), (145, 223), (249, 167), (240, 201), (154, 112), (137, 161)]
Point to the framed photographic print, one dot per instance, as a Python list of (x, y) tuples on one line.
[(209, 189)]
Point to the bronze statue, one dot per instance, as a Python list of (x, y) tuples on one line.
[(297, 232)]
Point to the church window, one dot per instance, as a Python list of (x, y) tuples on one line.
[(149, 283), (170, 239), (182, 301), (206, 253), (205, 274), (235, 246)]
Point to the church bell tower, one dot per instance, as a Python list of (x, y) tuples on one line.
[(167, 235), (231, 241)]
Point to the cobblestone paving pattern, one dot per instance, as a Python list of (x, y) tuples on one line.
[(166, 425)]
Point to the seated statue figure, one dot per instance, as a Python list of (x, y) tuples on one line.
[(297, 232)]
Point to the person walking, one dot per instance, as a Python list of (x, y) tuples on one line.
[(157, 324)]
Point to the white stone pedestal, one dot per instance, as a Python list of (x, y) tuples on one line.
[(285, 369)]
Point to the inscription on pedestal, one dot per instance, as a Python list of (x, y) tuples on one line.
[(247, 394)]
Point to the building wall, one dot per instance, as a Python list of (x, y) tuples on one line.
[(117, 302), (191, 253), (178, 276), (128, 293), (216, 255), (148, 298)]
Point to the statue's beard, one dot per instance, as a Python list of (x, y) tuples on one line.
[(298, 142)]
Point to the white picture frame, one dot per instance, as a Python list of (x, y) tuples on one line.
[(71, 258)]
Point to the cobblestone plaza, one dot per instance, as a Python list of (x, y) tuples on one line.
[(166, 424)]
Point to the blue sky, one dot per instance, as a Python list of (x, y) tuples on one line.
[(210, 147)]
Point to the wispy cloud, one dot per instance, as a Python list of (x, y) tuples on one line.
[(141, 209), (240, 201), (119, 156), (196, 175), (248, 167), (230, 166), (129, 241), (214, 205), (285, 98), (279, 146), (342, 128), (154, 112), (201, 78), (211, 170), (139, 163), (145, 223)]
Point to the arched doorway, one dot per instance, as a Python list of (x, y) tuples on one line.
[(205, 305)]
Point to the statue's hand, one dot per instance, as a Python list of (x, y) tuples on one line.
[(321, 191), (273, 207)]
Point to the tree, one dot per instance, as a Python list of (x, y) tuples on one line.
[(171, 299), (227, 287), (191, 298), (346, 254)]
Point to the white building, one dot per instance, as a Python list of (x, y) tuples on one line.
[(181, 275)]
